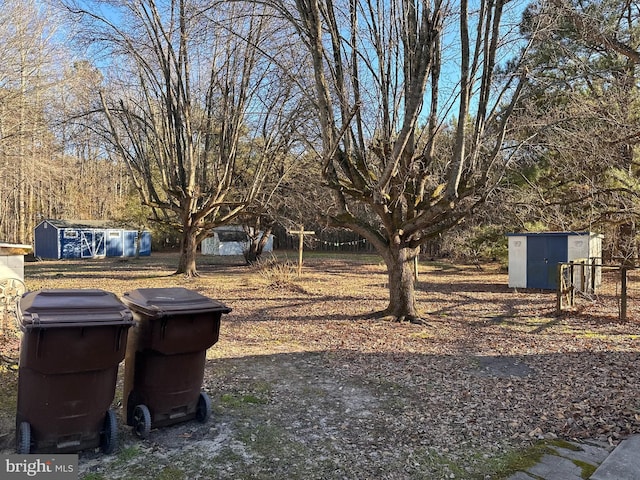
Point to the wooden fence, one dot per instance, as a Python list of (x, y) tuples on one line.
[(587, 279)]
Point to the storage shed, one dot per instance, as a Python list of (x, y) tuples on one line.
[(87, 239), (534, 257), (230, 240)]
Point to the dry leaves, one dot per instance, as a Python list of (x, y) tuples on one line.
[(494, 368)]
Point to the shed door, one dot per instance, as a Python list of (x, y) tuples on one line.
[(115, 243), (543, 256), (93, 243)]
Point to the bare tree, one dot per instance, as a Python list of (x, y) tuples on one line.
[(389, 75), (26, 75), (191, 108)]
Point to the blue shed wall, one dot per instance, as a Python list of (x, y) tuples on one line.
[(145, 244), (56, 242), (115, 243), (82, 243), (543, 255), (70, 243), (130, 240), (46, 241)]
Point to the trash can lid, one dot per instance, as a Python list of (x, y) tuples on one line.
[(161, 302), (71, 308)]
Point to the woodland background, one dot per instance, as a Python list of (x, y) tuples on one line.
[(577, 126)]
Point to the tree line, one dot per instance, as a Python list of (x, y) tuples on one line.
[(403, 121)]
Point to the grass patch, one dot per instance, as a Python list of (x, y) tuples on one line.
[(257, 394), (587, 468), (235, 401), (171, 473), (127, 454), (437, 466), (8, 388), (521, 460), (93, 476), (425, 334), (604, 336), (355, 257), (558, 442), (227, 455), (264, 439)]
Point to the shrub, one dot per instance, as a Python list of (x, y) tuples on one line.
[(276, 272)]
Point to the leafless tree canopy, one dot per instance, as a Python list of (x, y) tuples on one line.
[(47, 169), (196, 108), (413, 100), (412, 114)]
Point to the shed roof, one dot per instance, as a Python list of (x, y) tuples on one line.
[(546, 234), (86, 224)]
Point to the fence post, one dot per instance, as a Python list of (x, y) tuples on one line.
[(559, 290), (623, 293), (571, 285)]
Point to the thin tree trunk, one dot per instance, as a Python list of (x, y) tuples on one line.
[(21, 212)]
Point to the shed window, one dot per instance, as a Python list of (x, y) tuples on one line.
[(114, 234), (70, 234), (232, 236)]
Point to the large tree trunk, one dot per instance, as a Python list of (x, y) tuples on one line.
[(402, 302), (188, 249)]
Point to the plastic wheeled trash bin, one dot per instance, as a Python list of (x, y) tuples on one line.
[(72, 344), (166, 350)]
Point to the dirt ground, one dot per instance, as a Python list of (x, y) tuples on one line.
[(305, 385)]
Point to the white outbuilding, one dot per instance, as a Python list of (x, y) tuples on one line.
[(230, 240), (12, 260), (534, 257)]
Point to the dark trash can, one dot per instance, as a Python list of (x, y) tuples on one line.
[(72, 344), (166, 351)]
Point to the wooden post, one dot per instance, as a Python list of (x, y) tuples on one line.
[(623, 293), (571, 286), (301, 233), (584, 288), (559, 291)]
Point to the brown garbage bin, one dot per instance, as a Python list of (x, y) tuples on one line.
[(72, 344), (164, 364)]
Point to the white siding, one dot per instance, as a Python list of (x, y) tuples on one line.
[(210, 246), (577, 247), (12, 267), (518, 261), (12, 260)]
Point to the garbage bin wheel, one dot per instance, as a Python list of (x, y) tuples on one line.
[(23, 438), (109, 434), (203, 410), (141, 421)]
